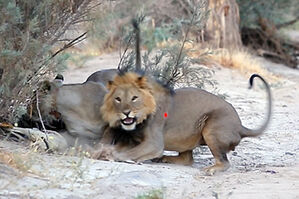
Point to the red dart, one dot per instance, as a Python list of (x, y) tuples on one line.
[(165, 115)]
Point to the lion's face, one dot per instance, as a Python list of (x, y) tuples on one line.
[(46, 95), (129, 101)]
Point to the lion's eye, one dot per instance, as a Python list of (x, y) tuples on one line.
[(134, 98), (117, 99)]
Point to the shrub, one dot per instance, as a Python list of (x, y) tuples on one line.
[(28, 32), (169, 62)]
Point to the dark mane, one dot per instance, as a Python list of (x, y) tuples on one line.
[(129, 138)]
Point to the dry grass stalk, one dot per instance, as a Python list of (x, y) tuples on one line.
[(21, 162), (241, 60)]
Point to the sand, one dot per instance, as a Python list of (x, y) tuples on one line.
[(263, 167)]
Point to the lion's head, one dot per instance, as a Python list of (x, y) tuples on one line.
[(45, 96), (129, 102)]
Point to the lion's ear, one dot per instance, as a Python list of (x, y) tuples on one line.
[(45, 86), (109, 85), (142, 82), (58, 81)]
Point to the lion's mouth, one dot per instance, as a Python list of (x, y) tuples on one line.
[(128, 121)]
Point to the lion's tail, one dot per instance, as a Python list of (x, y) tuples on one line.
[(255, 132), (137, 42)]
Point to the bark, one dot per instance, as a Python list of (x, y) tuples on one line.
[(222, 28)]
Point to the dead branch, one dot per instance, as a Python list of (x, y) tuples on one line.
[(270, 46), (282, 25), (124, 53), (265, 53), (55, 142), (70, 44)]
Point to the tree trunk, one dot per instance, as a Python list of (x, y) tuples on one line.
[(222, 28)]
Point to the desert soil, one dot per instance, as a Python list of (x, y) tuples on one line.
[(263, 167)]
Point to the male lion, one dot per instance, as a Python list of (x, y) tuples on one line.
[(135, 109), (132, 109)]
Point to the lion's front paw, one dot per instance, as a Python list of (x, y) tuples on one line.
[(104, 152), (162, 159), (122, 157)]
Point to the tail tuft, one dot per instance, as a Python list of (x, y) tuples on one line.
[(135, 24), (255, 132)]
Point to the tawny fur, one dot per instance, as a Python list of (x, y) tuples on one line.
[(130, 84), (147, 107), (77, 105), (195, 117)]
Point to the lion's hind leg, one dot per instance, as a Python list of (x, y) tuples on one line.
[(184, 158), (219, 152)]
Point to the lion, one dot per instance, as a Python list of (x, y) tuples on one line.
[(132, 112), (102, 76), (71, 109), (144, 118)]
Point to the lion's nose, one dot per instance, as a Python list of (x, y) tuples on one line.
[(126, 112)]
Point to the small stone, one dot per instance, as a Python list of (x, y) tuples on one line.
[(289, 153), (271, 171)]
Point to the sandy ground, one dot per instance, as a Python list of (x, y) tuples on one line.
[(263, 167)]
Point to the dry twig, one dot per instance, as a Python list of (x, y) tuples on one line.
[(70, 44), (175, 73), (40, 116), (124, 53)]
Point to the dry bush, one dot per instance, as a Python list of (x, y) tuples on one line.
[(241, 60), (164, 21), (171, 64), (29, 31), (261, 22)]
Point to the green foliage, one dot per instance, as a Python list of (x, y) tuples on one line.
[(163, 21), (153, 36), (153, 194), (171, 64), (276, 11), (28, 31), (165, 66)]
